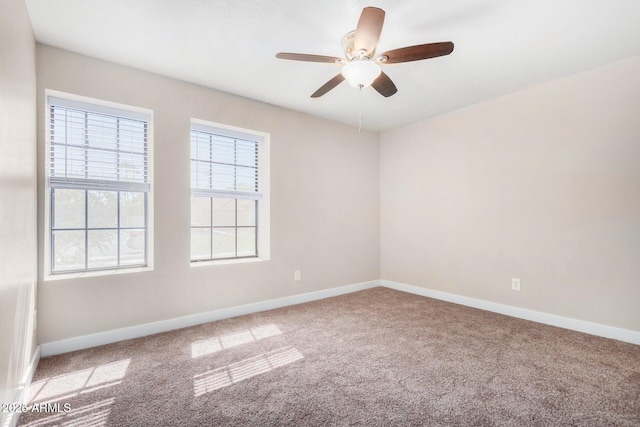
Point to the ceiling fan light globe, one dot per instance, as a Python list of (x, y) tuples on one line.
[(361, 74)]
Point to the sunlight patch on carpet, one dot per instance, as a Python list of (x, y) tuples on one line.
[(93, 415), (82, 381), (239, 371), (215, 344)]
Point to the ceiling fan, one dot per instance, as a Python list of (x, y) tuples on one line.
[(361, 67)]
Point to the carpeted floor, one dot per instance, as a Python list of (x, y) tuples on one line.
[(373, 358)]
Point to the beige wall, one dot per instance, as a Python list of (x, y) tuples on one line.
[(324, 205), (541, 185), (17, 197)]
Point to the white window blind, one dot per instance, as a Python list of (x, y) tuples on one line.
[(224, 163), (98, 177), (97, 147)]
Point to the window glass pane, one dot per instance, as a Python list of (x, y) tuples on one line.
[(103, 248), (132, 136), (131, 167), (194, 144), (223, 177), (102, 131), (201, 146), (246, 179), (224, 212), (103, 209), (58, 126), (76, 162), (201, 211), (224, 243), (132, 209), (75, 127), (200, 243), (246, 154), (200, 175), (101, 165), (68, 208), (246, 241), (58, 161), (68, 250), (223, 149), (246, 212), (132, 243)]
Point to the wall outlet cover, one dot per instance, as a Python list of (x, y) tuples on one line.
[(515, 284)]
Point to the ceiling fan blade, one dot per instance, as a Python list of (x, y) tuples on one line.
[(384, 85), (310, 58), (368, 29), (416, 53), (328, 86)]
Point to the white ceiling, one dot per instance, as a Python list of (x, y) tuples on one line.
[(500, 46)]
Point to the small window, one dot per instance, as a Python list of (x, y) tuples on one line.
[(98, 183), (226, 193)]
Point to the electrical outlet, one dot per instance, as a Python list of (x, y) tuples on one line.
[(297, 276), (515, 284)]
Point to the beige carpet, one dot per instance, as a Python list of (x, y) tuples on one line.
[(373, 358)]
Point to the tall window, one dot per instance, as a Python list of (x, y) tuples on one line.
[(99, 185), (225, 193)]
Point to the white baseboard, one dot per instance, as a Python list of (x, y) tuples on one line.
[(598, 329), (23, 392), (107, 337)]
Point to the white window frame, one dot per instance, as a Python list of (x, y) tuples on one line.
[(264, 205), (107, 107)]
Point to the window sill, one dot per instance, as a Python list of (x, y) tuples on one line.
[(226, 262), (85, 274)]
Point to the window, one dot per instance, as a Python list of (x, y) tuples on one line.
[(227, 194), (98, 183)]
